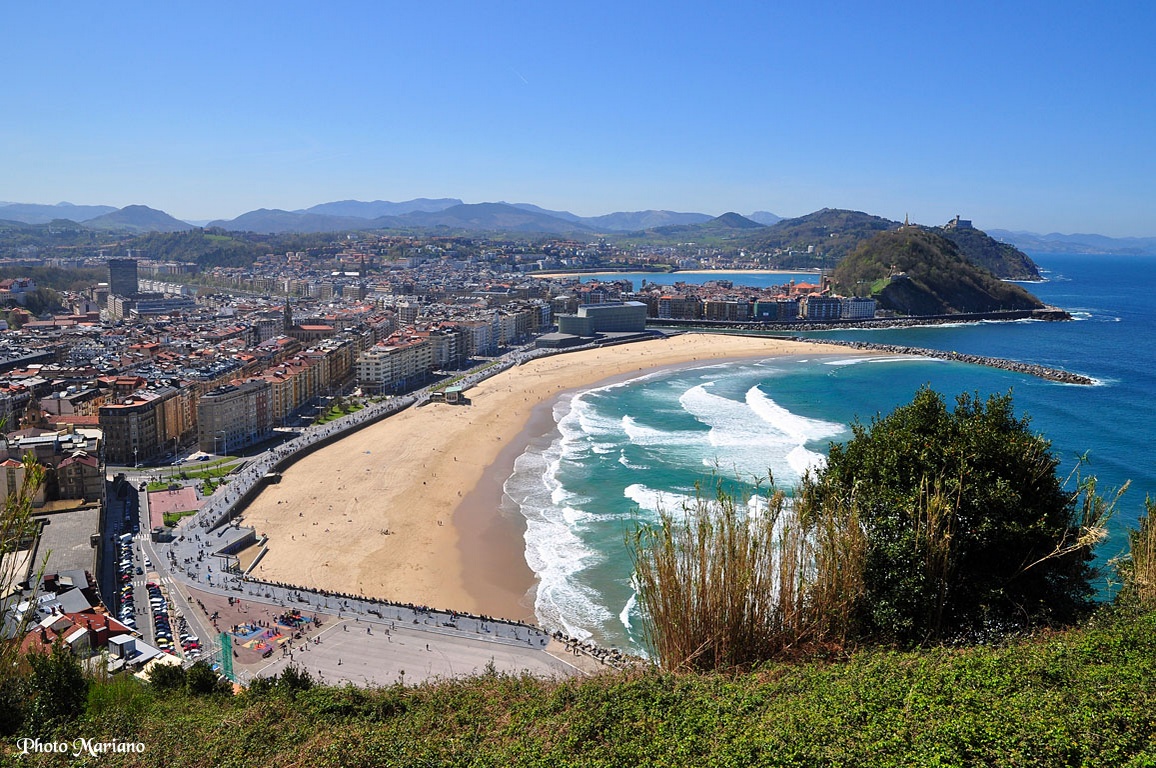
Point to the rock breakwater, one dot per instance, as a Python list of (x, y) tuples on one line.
[(1042, 371)]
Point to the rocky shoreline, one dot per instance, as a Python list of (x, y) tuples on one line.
[(1042, 371)]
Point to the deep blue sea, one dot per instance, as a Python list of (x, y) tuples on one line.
[(621, 451)]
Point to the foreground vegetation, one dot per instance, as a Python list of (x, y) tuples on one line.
[(929, 526), (781, 639), (1081, 697)]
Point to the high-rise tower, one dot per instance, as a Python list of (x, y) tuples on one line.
[(122, 278)]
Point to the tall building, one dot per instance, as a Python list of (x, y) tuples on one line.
[(122, 277), (235, 416)]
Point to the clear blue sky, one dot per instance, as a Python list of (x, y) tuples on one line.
[(1032, 116)]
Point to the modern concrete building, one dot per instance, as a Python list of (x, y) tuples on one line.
[(135, 429), (617, 317), (858, 308), (818, 308), (776, 311)]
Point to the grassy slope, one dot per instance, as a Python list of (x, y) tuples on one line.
[(1081, 697)]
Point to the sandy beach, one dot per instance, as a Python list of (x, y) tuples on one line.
[(408, 508)]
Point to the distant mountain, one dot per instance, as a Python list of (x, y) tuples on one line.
[(32, 213), (727, 226), (378, 208), (1075, 243), (830, 234), (276, 221), (917, 271), (765, 217), (565, 215), (493, 217), (732, 220), (633, 221), (136, 219)]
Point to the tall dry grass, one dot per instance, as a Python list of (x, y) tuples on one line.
[(722, 587), (1139, 566)]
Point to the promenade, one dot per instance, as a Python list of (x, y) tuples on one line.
[(380, 642)]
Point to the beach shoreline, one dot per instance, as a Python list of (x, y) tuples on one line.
[(410, 509)]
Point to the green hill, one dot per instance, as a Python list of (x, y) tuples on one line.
[(916, 271), (832, 233), (1003, 260), (1081, 697)]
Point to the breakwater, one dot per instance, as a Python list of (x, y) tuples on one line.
[(1047, 314), (1042, 371)]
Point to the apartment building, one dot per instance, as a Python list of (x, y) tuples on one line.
[(400, 363), (235, 416)]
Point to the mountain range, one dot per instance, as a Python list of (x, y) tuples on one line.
[(1076, 243), (420, 213), (453, 214)]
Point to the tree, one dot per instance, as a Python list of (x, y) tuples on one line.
[(167, 677), (57, 689), (969, 530), (201, 679)]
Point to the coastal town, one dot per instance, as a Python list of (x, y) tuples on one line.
[(153, 400), (169, 403)]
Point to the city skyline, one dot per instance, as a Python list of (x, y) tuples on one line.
[(1015, 120)]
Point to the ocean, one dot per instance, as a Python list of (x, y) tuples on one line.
[(623, 451)]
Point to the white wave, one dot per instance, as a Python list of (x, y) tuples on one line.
[(751, 437), (554, 551), (624, 614), (642, 435), (628, 464), (873, 359), (801, 459), (801, 428), (650, 500)]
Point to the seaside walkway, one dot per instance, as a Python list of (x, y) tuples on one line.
[(201, 556)]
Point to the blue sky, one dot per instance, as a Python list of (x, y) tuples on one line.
[(1026, 116)]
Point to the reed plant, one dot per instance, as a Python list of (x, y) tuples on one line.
[(1138, 567), (17, 535), (724, 584)]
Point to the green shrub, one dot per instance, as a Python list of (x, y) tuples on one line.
[(57, 690), (969, 530)]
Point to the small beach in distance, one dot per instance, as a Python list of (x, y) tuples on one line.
[(408, 509)]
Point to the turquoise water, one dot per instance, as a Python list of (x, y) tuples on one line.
[(622, 451)]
